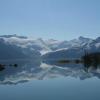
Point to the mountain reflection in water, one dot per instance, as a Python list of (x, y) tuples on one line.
[(25, 71)]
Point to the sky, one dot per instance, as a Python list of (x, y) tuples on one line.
[(57, 19)]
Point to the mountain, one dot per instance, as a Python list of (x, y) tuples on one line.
[(73, 49), (55, 45), (14, 35), (18, 47), (15, 47), (42, 46)]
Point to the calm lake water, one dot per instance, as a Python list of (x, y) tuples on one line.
[(34, 80)]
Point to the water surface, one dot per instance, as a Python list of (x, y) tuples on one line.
[(34, 80)]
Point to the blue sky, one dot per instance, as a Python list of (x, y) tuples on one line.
[(58, 19)]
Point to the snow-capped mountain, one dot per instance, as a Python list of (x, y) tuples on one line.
[(13, 46), (55, 45), (73, 49), (25, 42), (14, 35)]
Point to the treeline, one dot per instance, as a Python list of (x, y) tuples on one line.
[(89, 59)]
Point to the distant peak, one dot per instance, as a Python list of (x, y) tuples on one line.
[(13, 35), (52, 40), (39, 39), (83, 38), (8, 36), (98, 38)]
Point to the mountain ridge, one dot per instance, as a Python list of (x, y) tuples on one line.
[(12, 45)]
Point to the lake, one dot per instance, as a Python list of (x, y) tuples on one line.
[(35, 80)]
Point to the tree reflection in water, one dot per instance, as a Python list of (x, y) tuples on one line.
[(91, 60)]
